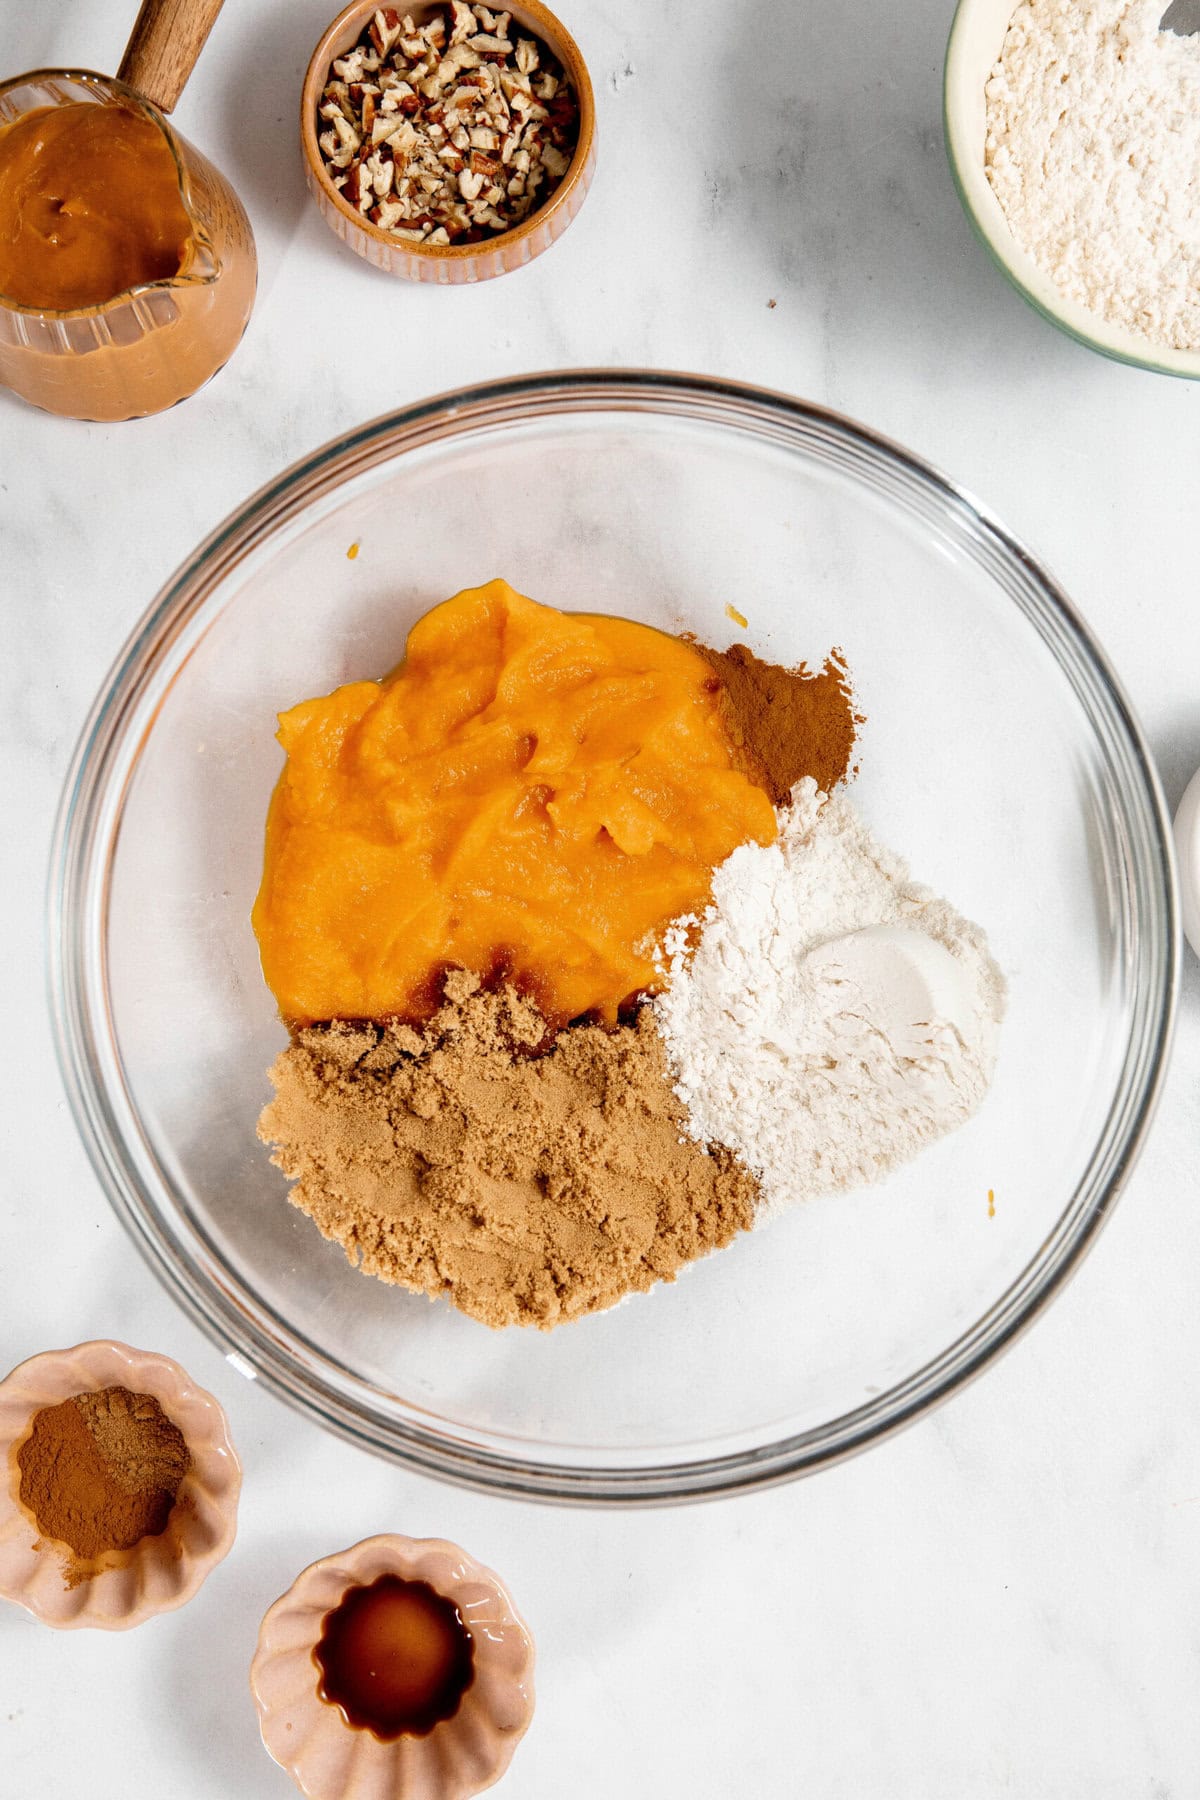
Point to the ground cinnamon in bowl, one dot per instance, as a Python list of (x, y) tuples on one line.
[(101, 1471), (107, 1445), (788, 723)]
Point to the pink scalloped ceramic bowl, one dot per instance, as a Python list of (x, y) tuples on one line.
[(331, 1760), (157, 1574)]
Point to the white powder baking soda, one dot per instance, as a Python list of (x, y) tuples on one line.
[(1093, 150), (826, 1018)]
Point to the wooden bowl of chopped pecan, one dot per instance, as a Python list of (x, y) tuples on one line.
[(448, 142)]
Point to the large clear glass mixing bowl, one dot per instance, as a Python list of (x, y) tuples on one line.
[(999, 756)]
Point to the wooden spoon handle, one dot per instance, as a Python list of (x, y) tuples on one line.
[(162, 50)]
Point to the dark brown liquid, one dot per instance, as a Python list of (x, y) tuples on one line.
[(395, 1657)]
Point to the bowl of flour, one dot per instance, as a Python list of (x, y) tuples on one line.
[(1073, 134)]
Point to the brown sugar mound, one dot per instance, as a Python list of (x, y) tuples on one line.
[(787, 723), (528, 1185)]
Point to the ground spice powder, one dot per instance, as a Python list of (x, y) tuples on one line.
[(528, 1187), (101, 1471), (787, 723)]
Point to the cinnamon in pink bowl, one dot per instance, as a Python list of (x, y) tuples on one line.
[(121, 1486)]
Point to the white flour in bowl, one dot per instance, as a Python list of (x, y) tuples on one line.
[(1093, 151), (830, 1018)]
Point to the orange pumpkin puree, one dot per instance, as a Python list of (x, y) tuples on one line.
[(89, 206), (531, 794)]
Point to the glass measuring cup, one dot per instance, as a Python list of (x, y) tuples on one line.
[(157, 342)]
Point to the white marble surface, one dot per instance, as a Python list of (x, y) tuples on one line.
[(1003, 1601)]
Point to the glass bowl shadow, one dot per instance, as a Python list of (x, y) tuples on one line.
[(998, 755)]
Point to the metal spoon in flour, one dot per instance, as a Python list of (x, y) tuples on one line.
[(1182, 17)]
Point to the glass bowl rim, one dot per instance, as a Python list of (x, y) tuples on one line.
[(88, 822)]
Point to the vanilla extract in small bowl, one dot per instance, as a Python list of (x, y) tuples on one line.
[(395, 1657), (399, 1666)]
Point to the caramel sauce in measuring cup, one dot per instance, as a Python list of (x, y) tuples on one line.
[(89, 206), (127, 265), (166, 330)]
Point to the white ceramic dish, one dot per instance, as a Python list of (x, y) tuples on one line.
[(1187, 851), (976, 37)]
